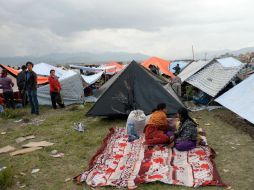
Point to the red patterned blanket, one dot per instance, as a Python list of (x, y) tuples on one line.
[(121, 163)]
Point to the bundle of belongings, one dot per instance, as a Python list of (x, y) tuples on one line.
[(135, 124), (125, 159)]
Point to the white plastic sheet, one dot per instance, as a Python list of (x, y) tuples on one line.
[(44, 69), (90, 79), (191, 69), (240, 99), (92, 69), (229, 62)]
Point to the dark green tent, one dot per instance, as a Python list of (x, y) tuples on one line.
[(134, 88)]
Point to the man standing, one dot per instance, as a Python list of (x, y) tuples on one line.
[(21, 79), (176, 85), (55, 88), (177, 69), (6, 84), (31, 88)]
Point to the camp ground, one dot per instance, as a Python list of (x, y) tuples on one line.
[(138, 94), (87, 144)]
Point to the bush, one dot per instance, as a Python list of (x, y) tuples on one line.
[(6, 178)]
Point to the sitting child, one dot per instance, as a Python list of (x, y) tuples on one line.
[(186, 135), (157, 127)]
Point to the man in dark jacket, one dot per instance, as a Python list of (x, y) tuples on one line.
[(31, 88), (177, 69), (21, 80)]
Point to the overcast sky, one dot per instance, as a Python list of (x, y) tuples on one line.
[(166, 28)]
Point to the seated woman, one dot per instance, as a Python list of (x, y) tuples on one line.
[(186, 135), (157, 127)]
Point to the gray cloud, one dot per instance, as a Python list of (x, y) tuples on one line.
[(166, 27)]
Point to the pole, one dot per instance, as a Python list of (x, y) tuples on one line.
[(192, 53)]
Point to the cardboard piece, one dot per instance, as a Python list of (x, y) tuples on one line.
[(58, 155), (37, 144), (7, 149), (35, 171), (24, 151), (21, 139)]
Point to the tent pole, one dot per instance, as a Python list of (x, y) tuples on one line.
[(192, 53)]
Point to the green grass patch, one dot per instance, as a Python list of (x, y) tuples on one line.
[(79, 148), (6, 178), (12, 114)]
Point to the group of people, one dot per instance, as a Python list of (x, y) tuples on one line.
[(157, 130), (27, 85)]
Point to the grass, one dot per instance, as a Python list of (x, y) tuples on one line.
[(229, 136), (6, 178)]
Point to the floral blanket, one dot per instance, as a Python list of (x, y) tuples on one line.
[(120, 163)]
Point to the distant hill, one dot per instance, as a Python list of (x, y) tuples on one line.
[(243, 50), (74, 58), (217, 53), (100, 58)]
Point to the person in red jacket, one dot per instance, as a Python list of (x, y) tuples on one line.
[(55, 88), (157, 129)]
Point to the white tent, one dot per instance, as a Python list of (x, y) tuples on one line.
[(72, 88), (44, 70), (90, 79), (93, 69), (216, 75), (191, 69), (229, 62), (72, 91), (240, 99)]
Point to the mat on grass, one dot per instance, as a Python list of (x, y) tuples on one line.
[(119, 163)]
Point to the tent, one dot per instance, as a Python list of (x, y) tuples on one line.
[(133, 88), (92, 69), (117, 67), (95, 73), (213, 78), (161, 63), (72, 91), (240, 99), (90, 79), (191, 69), (13, 78), (40, 80), (72, 87), (44, 70)]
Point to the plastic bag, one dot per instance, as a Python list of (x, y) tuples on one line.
[(136, 119)]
